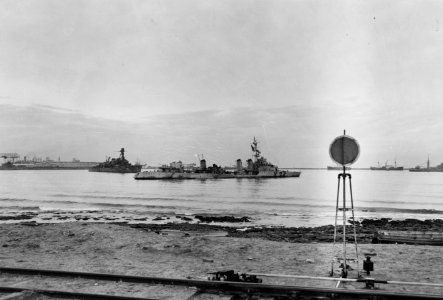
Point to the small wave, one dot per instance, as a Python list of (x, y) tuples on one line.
[(401, 210), (20, 208), (119, 197), (119, 205), (288, 198), (106, 205), (60, 202), (366, 209), (116, 205), (400, 202), (287, 214), (14, 199), (285, 204)]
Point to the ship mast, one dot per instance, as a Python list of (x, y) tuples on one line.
[(122, 153), (254, 147)]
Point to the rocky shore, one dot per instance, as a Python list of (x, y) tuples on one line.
[(365, 230), (233, 226)]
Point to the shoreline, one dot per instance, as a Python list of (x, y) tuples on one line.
[(365, 230), (234, 226)]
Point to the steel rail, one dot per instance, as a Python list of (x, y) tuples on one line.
[(70, 295), (225, 287), (349, 279), (308, 277)]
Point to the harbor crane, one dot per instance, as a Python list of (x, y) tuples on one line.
[(10, 156)]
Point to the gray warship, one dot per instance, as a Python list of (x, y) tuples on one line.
[(258, 167), (117, 165)]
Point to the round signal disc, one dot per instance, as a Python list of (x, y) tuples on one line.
[(344, 150)]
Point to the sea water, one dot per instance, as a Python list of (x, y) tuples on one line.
[(309, 200)]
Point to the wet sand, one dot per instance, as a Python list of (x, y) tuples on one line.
[(193, 250)]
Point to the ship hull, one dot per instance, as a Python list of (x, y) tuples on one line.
[(329, 168), (426, 170), (387, 168), (115, 170), (152, 175)]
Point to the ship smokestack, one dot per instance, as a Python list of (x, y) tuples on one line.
[(203, 164), (239, 165), (250, 165)]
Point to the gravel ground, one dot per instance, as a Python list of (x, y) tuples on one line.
[(192, 252)]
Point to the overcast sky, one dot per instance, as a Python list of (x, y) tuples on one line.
[(170, 79)]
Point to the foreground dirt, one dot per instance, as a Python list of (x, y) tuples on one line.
[(193, 251)]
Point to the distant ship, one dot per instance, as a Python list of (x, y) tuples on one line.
[(117, 165), (428, 168), (47, 166), (339, 168), (258, 167), (387, 167), (10, 164)]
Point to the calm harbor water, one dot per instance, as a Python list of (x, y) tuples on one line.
[(305, 201)]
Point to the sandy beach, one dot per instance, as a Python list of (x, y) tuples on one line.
[(193, 251)]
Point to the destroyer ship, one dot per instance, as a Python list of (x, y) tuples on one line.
[(117, 165), (258, 167)]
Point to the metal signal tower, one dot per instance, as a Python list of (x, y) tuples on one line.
[(344, 150)]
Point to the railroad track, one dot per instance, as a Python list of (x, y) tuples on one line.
[(189, 289)]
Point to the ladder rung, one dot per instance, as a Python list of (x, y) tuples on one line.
[(341, 209)]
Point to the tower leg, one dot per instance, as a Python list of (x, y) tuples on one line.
[(335, 225), (354, 225), (345, 262)]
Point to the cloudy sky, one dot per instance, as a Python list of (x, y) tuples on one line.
[(170, 79)]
